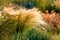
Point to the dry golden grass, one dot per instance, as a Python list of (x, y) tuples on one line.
[(30, 18)]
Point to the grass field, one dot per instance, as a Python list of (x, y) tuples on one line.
[(29, 20)]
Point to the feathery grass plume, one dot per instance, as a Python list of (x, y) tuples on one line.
[(20, 20), (54, 19), (26, 15)]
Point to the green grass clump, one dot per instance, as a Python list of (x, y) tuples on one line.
[(32, 34)]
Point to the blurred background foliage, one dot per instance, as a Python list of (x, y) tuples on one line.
[(42, 5)]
